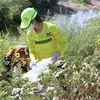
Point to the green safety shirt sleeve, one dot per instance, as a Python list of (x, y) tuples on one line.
[(30, 43), (61, 40)]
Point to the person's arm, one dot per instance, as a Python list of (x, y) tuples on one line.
[(61, 40), (31, 46)]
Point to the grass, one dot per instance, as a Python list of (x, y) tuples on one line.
[(85, 37)]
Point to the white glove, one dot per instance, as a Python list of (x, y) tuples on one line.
[(33, 63)]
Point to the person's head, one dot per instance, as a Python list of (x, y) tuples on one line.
[(29, 17)]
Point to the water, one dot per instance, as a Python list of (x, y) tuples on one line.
[(75, 20)]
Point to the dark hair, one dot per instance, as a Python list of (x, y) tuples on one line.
[(38, 18)]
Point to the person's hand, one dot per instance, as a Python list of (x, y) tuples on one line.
[(55, 56), (33, 63)]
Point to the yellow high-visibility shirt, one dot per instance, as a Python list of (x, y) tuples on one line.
[(43, 45)]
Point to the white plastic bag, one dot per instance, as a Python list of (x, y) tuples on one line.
[(40, 67)]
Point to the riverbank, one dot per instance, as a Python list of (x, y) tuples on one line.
[(94, 4), (69, 8)]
